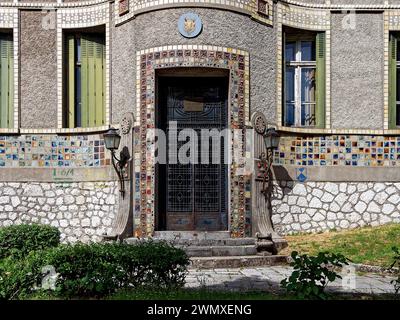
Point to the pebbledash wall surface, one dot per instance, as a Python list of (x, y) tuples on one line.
[(342, 176)]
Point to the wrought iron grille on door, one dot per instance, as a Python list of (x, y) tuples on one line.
[(196, 193)]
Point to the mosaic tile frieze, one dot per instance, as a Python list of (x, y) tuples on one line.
[(48, 151), (259, 9), (81, 17), (339, 150), (8, 18), (304, 18), (147, 62)]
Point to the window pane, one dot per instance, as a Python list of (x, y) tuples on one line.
[(398, 114), (398, 85), (308, 84), (290, 51), (78, 50), (289, 84), (308, 114), (307, 51), (289, 114), (78, 97)]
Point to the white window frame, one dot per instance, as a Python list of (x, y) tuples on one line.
[(298, 65)]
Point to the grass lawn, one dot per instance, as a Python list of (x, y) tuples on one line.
[(370, 245), (194, 294), (205, 294)]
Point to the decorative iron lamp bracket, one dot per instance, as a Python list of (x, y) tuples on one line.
[(120, 166), (112, 140)]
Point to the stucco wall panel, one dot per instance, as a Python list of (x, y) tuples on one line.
[(38, 72), (357, 72), (221, 28)]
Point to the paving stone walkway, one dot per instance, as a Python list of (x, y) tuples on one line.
[(269, 278)]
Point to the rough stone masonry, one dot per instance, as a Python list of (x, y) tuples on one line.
[(82, 211), (320, 206)]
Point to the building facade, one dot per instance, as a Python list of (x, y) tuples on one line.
[(322, 72)]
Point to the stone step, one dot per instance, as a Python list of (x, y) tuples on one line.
[(204, 242), (192, 235), (217, 251), (237, 261)]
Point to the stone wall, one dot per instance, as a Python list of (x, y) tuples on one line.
[(320, 206), (82, 211)]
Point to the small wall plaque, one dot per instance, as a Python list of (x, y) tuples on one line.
[(193, 104), (123, 7), (190, 25)]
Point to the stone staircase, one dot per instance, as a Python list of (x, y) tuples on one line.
[(219, 250)]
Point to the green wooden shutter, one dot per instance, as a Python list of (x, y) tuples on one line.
[(84, 82), (100, 82), (93, 81), (392, 81), (6, 81), (71, 81), (320, 80)]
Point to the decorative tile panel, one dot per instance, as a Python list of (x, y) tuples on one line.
[(339, 150), (36, 151), (147, 61)]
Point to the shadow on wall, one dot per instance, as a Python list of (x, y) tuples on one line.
[(282, 186)]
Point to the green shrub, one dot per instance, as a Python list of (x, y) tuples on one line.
[(90, 270), (396, 264), (18, 278), (18, 240), (312, 274)]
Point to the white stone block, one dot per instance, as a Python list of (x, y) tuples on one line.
[(388, 208), (327, 197), (15, 201), (299, 189), (4, 199), (367, 196), (360, 207), (315, 203), (332, 188)]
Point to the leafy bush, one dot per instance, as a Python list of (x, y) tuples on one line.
[(87, 270), (18, 240), (312, 274), (396, 264)]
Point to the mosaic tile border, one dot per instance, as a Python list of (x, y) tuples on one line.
[(147, 62), (48, 151), (9, 19), (339, 150), (81, 18), (249, 7), (297, 17)]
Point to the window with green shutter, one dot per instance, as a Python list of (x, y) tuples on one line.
[(304, 79), (6, 81), (394, 93), (85, 85)]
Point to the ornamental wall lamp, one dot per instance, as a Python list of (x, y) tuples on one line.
[(112, 140), (271, 141)]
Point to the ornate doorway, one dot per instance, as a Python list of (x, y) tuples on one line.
[(192, 196)]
